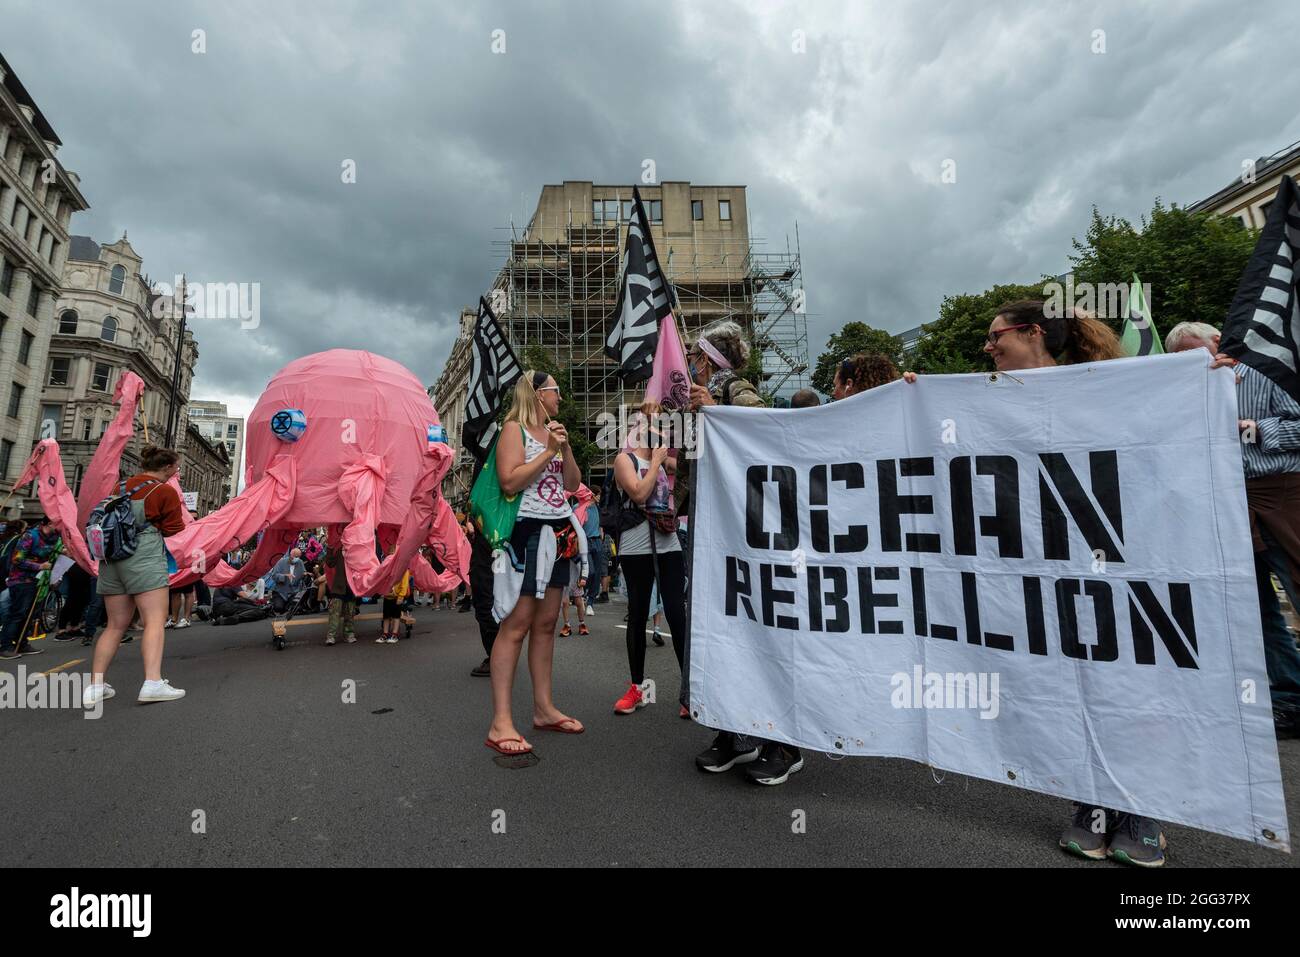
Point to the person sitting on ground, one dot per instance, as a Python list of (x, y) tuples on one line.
[(234, 605)]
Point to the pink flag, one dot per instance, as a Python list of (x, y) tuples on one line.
[(101, 475), (46, 468), (670, 382)]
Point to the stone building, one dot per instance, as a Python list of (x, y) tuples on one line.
[(110, 319), (1249, 196), (37, 200), (217, 425), (205, 469), (449, 395)]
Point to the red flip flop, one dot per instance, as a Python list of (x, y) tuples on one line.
[(496, 746), (559, 726)]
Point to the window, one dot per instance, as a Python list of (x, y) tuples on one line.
[(655, 210), (13, 219), (68, 323), (611, 211), (232, 430), (117, 279), (597, 211), (25, 347), (109, 330), (6, 278), (15, 400), (724, 209), (697, 209), (6, 453), (33, 299), (59, 370), (51, 419), (86, 426), (627, 210), (99, 381)]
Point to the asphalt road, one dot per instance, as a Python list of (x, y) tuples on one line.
[(286, 773)]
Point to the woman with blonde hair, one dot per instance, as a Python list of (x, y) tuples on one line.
[(534, 460)]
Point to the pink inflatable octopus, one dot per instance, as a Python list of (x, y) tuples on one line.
[(343, 438)]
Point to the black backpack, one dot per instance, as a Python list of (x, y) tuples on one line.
[(111, 532)]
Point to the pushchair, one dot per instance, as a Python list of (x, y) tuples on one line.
[(296, 604)]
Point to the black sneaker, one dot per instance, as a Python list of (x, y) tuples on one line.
[(484, 670), (67, 636), (26, 649), (8, 653), (1138, 840), (722, 754), (776, 762), (1286, 724), (602, 598), (1089, 831)]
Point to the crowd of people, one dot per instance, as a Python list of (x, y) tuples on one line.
[(637, 528)]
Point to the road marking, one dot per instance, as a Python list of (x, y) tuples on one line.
[(66, 664)]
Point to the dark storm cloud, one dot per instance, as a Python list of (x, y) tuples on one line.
[(227, 165)]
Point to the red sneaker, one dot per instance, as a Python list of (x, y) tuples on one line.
[(566, 631), (631, 700)]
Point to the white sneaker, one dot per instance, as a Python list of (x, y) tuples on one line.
[(381, 640), (350, 639), (170, 624), (591, 612), (183, 623), (95, 694), (329, 639), (159, 691), (392, 639)]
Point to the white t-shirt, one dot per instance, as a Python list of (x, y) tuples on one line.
[(636, 541), (545, 497)]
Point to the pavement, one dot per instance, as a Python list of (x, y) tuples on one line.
[(264, 763)]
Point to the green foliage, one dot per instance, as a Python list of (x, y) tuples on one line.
[(955, 343), (855, 337), (1193, 261), (570, 414)]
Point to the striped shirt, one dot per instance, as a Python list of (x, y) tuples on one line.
[(1276, 448)]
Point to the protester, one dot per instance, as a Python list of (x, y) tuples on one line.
[(286, 579), (649, 550), (235, 605), (13, 530), (1021, 336), (595, 552), (32, 554), (533, 459), (182, 599), (480, 579), (574, 597), (861, 372), (392, 610), (805, 399), (719, 350), (1269, 421), (139, 582), (343, 603), (80, 588)]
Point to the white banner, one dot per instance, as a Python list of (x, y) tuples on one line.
[(1042, 578), (191, 500)]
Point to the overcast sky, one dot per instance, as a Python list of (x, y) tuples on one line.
[(226, 165)]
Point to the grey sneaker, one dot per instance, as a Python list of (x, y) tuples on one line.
[(1138, 840), (329, 639), (1087, 835)]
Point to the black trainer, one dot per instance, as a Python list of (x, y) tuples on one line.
[(722, 754), (8, 653), (602, 598), (1138, 840), (1286, 723), (484, 670), (776, 762), (1089, 831)]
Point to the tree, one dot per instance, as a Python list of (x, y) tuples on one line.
[(1193, 261), (853, 338), (570, 414), (955, 341)]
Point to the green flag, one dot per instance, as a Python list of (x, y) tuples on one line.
[(1140, 338)]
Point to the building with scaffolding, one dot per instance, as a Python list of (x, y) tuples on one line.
[(558, 286)]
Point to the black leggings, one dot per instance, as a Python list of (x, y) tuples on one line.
[(639, 571)]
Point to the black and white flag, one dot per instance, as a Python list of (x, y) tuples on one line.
[(494, 368), (644, 298), (1263, 325)]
